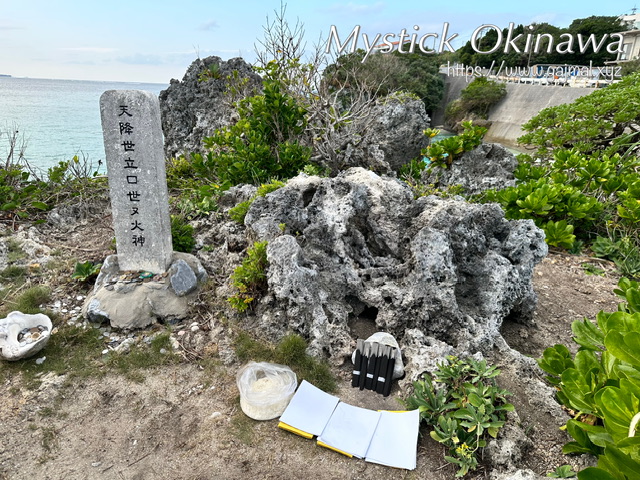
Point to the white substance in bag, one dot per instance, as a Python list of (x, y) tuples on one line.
[(265, 389)]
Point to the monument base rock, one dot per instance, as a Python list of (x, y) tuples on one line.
[(130, 300)]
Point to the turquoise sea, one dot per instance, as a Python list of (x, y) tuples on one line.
[(58, 118)]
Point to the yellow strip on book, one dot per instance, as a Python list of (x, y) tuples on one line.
[(291, 429), (334, 449)]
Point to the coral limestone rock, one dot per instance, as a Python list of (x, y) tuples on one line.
[(360, 242), (193, 109)]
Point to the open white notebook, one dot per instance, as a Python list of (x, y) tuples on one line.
[(387, 438)]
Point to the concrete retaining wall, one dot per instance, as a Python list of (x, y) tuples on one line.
[(521, 103)]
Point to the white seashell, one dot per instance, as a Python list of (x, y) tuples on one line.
[(30, 343)]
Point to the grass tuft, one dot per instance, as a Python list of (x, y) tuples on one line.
[(292, 352)]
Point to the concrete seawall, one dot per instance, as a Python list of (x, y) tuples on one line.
[(521, 103)]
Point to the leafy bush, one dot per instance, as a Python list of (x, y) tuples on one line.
[(590, 197), (601, 385), (602, 122), (264, 143), (476, 100), (416, 73), (465, 409), (443, 152), (24, 195), (250, 277), (182, 234)]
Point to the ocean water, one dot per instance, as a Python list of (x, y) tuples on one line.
[(58, 118)]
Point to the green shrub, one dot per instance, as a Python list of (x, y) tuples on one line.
[(476, 100), (574, 196), (443, 152), (602, 122), (601, 383), (465, 409), (250, 277), (238, 212), (263, 144), (182, 234)]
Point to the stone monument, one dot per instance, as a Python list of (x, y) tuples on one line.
[(137, 179), (146, 281)]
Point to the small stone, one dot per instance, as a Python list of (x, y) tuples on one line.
[(181, 333), (105, 351), (195, 328), (80, 298), (215, 415), (40, 361), (183, 280), (96, 464), (163, 351), (125, 346)]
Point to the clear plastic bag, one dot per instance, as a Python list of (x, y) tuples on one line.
[(265, 389)]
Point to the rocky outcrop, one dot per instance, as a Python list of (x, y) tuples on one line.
[(359, 244), (487, 166), (383, 141), (193, 109)]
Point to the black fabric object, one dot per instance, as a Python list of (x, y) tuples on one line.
[(357, 364)]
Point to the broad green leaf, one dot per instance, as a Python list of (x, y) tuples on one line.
[(593, 473), (574, 447), (556, 360), (631, 443), (609, 362), (596, 433), (586, 362), (611, 322), (618, 408), (616, 461), (39, 205), (587, 334), (625, 347), (577, 390)]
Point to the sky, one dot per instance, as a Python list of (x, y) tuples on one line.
[(155, 41)]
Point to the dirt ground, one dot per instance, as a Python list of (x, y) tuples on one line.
[(184, 422)]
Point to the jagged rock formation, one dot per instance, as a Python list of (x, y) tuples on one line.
[(193, 109), (443, 270), (488, 166), (384, 140)]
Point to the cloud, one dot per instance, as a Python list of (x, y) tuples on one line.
[(89, 49), (142, 59), (7, 27), (210, 25), (355, 8)]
